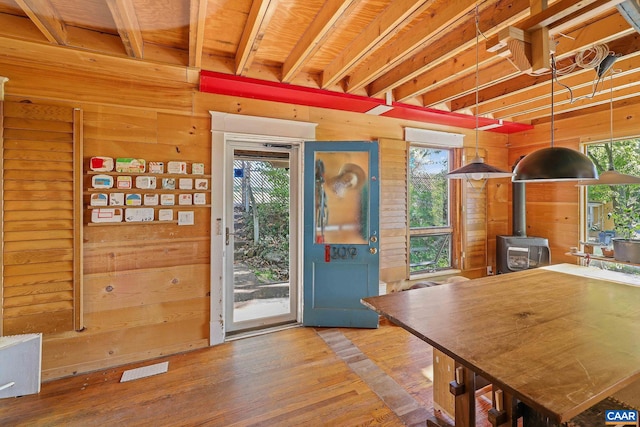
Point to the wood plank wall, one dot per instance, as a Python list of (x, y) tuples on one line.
[(147, 287), (40, 251), (158, 108), (553, 208), (485, 213), (474, 222), (394, 264)]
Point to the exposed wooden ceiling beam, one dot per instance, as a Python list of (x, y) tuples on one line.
[(506, 88), (383, 27), (553, 20), (538, 6), (460, 66), (611, 29), (495, 73), (85, 61), (518, 89), (617, 105), (627, 87), (259, 17), (540, 47), (124, 15), (438, 20), (581, 83), (606, 30), (554, 13), (594, 35), (46, 18), (422, 50), (499, 15), (331, 12), (197, 19), (588, 12)]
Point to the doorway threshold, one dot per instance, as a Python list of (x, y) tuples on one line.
[(232, 336)]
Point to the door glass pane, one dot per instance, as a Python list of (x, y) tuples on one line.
[(341, 197), (261, 242)]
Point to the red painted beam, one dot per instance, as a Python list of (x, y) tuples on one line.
[(226, 84), (432, 115)]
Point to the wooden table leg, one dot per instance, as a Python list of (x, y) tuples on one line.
[(504, 409), (464, 389)]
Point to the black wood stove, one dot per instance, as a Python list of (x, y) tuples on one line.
[(519, 252)]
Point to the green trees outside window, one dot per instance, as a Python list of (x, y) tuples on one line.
[(429, 208), (614, 208)]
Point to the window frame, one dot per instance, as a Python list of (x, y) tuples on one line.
[(584, 206), (584, 199), (413, 232)]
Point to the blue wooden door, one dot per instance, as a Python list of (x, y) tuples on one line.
[(341, 239)]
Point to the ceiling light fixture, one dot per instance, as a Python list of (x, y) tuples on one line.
[(612, 176), (554, 163), (477, 169)]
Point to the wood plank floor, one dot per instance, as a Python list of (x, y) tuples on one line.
[(294, 377)]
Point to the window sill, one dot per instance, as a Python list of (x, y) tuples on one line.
[(435, 274)]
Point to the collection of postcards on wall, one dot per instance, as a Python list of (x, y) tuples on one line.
[(141, 192)]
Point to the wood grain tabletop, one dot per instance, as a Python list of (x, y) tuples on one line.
[(559, 342)]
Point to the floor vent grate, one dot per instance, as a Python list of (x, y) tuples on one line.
[(145, 371)]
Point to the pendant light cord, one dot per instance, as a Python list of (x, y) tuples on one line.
[(611, 110), (611, 123), (553, 79), (477, 75)]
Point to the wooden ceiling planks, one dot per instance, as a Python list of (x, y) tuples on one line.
[(420, 51), (224, 25), (318, 31), (373, 36), (92, 15), (165, 23), (447, 45), (612, 28), (351, 24)]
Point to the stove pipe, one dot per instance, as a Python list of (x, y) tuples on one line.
[(518, 209)]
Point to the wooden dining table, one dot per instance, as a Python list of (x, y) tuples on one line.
[(554, 341)]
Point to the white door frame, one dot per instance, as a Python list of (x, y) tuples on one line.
[(233, 127), (239, 142)]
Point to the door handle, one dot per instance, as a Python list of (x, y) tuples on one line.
[(226, 235)]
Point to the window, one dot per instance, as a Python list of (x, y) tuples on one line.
[(430, 228), (614, 208)]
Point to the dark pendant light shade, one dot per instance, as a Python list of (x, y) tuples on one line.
[(613, 177), (555, 164), (477, 170)]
